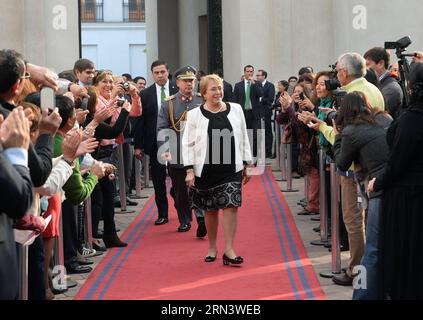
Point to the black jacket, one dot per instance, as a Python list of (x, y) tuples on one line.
[(405, 140), (363, 144), (39, 156), (16, 197), (228, 92), (256, 94), (146, 128), (393, 96), (268, 98)]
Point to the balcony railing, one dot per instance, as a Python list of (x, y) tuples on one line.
[(133, 11), (92, 11)]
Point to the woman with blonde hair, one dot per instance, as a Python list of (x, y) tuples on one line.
[(215, 174)]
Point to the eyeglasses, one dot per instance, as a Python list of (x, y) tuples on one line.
[(27, 75)]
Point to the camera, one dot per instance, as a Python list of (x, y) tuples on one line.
[(301, 95), (125, 86), (401, 44), (121, 100), (332, 84)]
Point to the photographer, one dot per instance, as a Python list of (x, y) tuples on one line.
[(361, 140), (378, 59), (351, 69)]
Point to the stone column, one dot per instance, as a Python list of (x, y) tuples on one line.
[(152, 35)]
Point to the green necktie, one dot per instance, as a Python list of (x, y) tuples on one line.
[(163, 93), (247, 105)]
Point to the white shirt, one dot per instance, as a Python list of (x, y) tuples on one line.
[(159, 94)]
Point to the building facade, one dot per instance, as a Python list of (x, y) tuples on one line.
[(114, 35), (279, 36)]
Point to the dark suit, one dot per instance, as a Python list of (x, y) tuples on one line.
[(267, 103), (15, 199), (146, 139), (252, 117), (228, 92)]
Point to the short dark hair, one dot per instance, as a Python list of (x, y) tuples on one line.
[(68, 75), (292, 78), (305, 70), (158, 63), (284, 83), (127, 76), (219, 72), (305, 78), (83, 64), (371, 77), (139, 78), (263, 72), (378, 53), (248, 66), (63, 103), (12, 67)]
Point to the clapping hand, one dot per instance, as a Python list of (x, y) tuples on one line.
[(14, 131)]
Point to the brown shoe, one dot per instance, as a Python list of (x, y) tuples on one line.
[(343, 279)]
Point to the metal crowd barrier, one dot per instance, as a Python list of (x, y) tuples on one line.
[(88, 231), (23, 271), (121, 175), (138, 185), (58, 260), (336, 249), (289, 170), (324, 232), (146, 165)]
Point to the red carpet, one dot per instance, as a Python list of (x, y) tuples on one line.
[(161, 264)]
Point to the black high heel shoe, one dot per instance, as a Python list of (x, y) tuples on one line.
[(227, 261), (210, 258)]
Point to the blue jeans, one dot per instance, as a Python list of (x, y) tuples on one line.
[(371, 257)]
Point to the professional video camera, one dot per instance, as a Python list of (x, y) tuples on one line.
[(400, 47), (334, 86)]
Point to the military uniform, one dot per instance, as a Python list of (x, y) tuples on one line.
[(172, 117)]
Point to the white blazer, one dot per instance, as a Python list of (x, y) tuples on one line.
[(195, 138)]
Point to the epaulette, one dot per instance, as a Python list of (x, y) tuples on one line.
[(170, 98)]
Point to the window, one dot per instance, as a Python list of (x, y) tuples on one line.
[(134, 10), (91, 10)]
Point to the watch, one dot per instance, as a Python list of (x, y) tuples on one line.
[(69, 162)]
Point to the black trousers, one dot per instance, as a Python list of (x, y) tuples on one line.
[(179, 192), (70, 231), (269, 135), (252, 124), (36, 286), (102, 205), (158, 173)]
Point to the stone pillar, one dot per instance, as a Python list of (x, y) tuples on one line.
[(46, 32), (152, 35)]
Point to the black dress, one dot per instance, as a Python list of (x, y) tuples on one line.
[(402, 211), (219, 186)]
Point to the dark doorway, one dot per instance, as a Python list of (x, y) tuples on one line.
[(214, 8)]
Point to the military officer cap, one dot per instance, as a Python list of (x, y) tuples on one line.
[(186, 73)]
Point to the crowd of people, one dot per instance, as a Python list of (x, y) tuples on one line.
[(54, 157)]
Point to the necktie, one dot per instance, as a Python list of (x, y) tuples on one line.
[(163, 94), (247, 105)]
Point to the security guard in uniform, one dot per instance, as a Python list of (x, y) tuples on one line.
[(170, 126)]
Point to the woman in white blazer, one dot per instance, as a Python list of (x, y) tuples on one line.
[(216, 151)]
